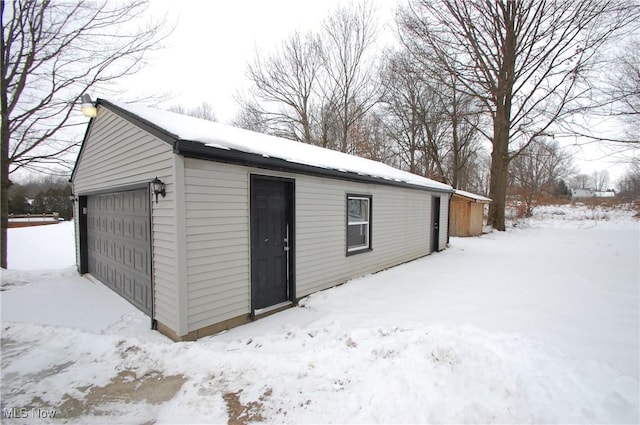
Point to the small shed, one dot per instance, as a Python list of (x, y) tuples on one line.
[(203, 226), (467, 213)]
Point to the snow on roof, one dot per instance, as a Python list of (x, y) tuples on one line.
[(222, 136), (473, 196)]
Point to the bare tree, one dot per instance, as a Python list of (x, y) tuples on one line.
[(617, 97), (369, 139), (461, 144), (52, 52), (317, 86), (435, 126), (600, 180), (203, 111), (250, 116), (284, 83), (625, 87), (326, 126), (535, 171), (629, 184), (580, 181), (524, 60), (402, 106), (350, 86)]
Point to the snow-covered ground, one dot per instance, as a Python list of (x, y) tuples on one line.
[(537, 324)]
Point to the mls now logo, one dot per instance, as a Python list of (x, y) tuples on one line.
[(15, 413), (23, 413)]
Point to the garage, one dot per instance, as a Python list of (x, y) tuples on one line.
[(242, 224), (119, 244)]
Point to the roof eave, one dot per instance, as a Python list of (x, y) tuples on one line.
[(480, 201), (193, 149), (155, 130), (152, 128), (84, 139)]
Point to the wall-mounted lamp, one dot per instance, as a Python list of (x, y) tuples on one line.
[(89, 110), (158, 188)]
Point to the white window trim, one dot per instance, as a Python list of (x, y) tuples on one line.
[(367, 244)]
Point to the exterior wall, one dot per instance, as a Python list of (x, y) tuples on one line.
[(118, 154), (400, 226), (477, 218), (460, 217), (217, 238), (217, 235), (467, 217)]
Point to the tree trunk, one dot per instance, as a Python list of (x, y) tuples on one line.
[(4, 185), (456, 146), (498, 185), (502, 120), (4, 151)]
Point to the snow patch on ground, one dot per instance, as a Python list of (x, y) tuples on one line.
[(537, 324), (41, 247)]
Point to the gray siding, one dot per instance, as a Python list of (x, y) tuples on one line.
[(217, 229), (117, 154), (400, 231)]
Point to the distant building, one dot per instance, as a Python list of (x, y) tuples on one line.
[(467, 213), (592, 193)]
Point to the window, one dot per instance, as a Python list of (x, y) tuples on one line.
[(358, 223)]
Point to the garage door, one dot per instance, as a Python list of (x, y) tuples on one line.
[(119, 245)]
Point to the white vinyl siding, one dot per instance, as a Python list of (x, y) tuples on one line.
[(217, 230), (119, 154)]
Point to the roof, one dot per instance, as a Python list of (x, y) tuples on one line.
[(472, 196), (196, 137)]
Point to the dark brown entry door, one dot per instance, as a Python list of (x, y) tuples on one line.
[(271, 241), (435, 221)]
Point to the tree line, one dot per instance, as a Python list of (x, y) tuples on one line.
[(42, 196), (514, 76), (471, 91)]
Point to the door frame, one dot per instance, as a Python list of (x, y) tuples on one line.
[(435, 223), (83, 229), (291, 191)]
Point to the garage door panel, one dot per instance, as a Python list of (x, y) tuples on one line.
[(119, 227), (119, 247), (141, 231), (139, 292), (128, 229), (119, 258), (128, 286), (119, 277), (140, 261)]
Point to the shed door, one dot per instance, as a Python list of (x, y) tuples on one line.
[(435, 220), (271, 240), (119, 245)]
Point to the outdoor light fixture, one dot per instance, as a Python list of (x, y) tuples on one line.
[(88, 108), (158, 188)]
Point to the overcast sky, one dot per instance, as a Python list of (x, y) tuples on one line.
[(207, 53), (206, 56)]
